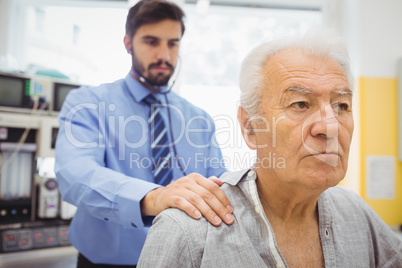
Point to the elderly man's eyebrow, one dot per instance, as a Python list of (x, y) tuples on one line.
[(299, 90), (344, 92)]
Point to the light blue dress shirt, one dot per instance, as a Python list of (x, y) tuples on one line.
[(104, 163)]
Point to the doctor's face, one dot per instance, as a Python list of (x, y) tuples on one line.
[(307, 103), (155, 50)]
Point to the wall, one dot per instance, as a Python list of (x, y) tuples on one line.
[(12, 46), (378, 98), (375, 44)]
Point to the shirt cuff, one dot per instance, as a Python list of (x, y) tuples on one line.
[(129, 200)]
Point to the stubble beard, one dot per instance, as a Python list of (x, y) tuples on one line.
[(156, 80)]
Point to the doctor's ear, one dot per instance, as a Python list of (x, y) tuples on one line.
[(128, 44)]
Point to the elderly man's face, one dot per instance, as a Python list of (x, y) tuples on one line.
[(307, 105)]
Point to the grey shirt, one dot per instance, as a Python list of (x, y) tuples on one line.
[(352, 234)]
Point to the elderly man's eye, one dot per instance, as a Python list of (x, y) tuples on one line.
[(300, 105), (341, 106)]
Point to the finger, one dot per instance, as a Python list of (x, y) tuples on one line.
[(184, 205), (211, 195), (189, 189), (216, 180), (205, 195), (193, 205), (217, 191), (202, 205)]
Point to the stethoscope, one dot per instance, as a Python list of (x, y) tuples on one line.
[(168, 89)]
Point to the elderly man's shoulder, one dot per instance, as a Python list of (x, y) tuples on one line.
[(180, 218), (338, 193), (341, 191), (187, 235), (178, 226), (344, 199), (184, 222)]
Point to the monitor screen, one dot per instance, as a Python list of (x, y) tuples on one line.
[(11, 91), (60, 93)]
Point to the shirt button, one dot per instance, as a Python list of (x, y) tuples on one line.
[(258, 209), (251, 173), (280, 265), (132, 224), (106, 219), (326, 232)]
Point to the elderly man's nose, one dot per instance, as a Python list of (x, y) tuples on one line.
[(326, 124)]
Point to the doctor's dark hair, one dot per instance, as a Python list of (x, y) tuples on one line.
[(152, 11)]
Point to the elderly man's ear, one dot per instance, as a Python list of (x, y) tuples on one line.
[(247, 130)]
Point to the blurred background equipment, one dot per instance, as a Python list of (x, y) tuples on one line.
[(32, 214)]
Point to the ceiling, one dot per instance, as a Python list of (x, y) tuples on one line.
[(286, 4)]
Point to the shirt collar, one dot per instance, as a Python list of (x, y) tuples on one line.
[(233, 178), (138, 91)]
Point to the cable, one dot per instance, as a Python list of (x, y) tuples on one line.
[(145, 83), (22, 139), (5, 162), (176, 155), (156, 89)]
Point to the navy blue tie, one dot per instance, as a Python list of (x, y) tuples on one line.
[(162, 168)]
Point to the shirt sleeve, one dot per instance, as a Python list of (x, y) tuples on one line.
[(166, 245), (83, 177)]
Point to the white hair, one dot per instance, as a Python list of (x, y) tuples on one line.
[(324, 43)]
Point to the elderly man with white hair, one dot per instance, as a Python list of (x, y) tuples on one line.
[(296, 105)]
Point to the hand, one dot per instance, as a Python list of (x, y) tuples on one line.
[(193, 194)]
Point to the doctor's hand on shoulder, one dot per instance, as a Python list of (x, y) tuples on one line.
[(193, 194)]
